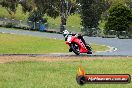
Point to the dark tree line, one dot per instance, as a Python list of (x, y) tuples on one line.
[(120, 17), (90, 10)]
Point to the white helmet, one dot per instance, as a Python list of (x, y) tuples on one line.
[(65, 33)]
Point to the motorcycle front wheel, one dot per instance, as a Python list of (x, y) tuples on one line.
[(75, 48)]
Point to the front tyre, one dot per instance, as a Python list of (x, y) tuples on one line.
[(75, 48)]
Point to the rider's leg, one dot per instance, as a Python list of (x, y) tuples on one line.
[(82, 39)]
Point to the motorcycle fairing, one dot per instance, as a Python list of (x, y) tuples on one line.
[(82, 47)]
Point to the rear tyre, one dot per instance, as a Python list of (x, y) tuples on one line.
[(75, 48)]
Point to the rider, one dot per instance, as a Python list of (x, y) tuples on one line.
[(66, 34)]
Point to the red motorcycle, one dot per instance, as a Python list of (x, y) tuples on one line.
[(77, 43)]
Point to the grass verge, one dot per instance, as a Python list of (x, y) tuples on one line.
[(58, 74), (20, 44)]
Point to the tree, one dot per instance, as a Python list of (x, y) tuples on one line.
[(91, 11), (54, 8), (36, 19), (129, 3), (67, 8), (119, 18), (10, 6), (27, 5)]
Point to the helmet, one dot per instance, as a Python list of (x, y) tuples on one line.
[(65, 33)]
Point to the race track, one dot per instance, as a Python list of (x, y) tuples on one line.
[(120, 47)]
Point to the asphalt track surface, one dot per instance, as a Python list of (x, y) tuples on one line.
[(119, 47)]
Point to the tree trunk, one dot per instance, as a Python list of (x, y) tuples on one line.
[(63, 23)]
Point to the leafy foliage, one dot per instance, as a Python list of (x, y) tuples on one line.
[(91, 12), (10, 6), (35, 16), (27, 5), (55, 8), (119, 18)]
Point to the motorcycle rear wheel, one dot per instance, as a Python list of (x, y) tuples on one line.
[(75, 48)]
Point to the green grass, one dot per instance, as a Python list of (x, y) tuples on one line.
[(3, 12), (60, 74), (20, 44), (98, 47), (17, 44), (19, 13)]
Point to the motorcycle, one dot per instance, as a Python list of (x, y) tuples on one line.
[(76, 45)]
